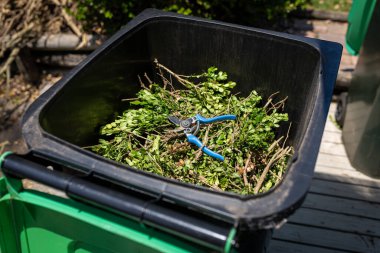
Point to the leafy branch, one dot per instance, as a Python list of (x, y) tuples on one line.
[(142, 137)]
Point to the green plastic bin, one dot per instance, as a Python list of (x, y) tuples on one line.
[(36, 222), (358, 21)]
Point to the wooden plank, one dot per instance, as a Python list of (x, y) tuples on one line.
[(330, 124), (327, 238), (333, 161), (332, 137), (277, 246), (331, 128), (341, 213), (343, 206), (332, 108), (344, 190), (336, 221), (345, 176), (333, 149)]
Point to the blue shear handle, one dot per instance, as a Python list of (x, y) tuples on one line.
[(194, 140), (212, 154), (204, 120)]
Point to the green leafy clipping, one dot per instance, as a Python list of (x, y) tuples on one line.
[(143, 138)]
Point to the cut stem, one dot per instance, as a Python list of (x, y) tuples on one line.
[(279, 154)]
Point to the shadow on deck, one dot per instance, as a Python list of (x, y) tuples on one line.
[(341, 212)]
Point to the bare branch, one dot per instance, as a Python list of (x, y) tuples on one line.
[(277, 156), (9, 60), (247, 162)]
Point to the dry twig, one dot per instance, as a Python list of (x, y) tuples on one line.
[(277, 156), (247, 162), (10, 59)]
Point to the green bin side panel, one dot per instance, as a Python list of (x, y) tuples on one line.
[(358, 20), (8, 242), (35, 222)]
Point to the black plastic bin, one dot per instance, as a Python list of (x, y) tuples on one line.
[(68, 116)]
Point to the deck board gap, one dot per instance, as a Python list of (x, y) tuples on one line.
[(312, 245), (333, 229), (346, 183), (342, 213), (343, 197)]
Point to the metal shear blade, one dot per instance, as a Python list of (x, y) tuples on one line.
[(174, 120)]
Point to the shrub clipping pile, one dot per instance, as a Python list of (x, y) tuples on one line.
[(143, 137)]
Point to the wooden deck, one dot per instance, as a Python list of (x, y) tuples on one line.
[(341, 212)]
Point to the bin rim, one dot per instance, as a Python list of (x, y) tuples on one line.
[(261, 211)]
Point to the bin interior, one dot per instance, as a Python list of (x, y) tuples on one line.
[(256, 60)]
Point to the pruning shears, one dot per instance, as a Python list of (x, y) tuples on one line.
[(191, 127)]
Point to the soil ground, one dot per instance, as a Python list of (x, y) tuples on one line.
[(15, 102)]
